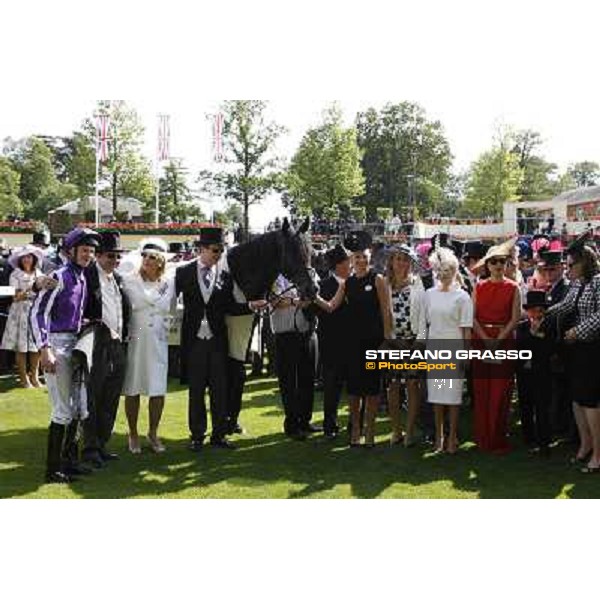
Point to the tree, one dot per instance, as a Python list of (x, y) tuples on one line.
[(325, 171), (251, 170), (585, 173), (176, 198), (126, 171), (40, 189), (81, 164), (495, 177), (406, 157), (538, 182), (232, 215), (10, 203)]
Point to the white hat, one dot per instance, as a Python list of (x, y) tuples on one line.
[(154, 244), (505, 249), (22, 251)]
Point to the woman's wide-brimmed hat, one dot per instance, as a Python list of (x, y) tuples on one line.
[(403, 249), (21, 251), (358, 241), (505, 249), (156, 245)]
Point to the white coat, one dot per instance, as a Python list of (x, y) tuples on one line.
[(152, 304)]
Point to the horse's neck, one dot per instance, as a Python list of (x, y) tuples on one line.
[(253, 266)]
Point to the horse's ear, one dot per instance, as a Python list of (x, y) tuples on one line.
[(305, 225), (285, 226)]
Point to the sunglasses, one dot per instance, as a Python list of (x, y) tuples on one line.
[(112, 255), (216, 250), (497, 261), (150, 256)]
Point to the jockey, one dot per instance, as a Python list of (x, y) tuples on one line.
[(56, 320)]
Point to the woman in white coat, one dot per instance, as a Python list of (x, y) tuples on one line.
[(449, 316), (152, 298)]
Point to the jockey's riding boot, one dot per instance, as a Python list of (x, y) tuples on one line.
[(71, 465), (54, 469)]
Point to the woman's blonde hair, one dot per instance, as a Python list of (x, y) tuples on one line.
[(389, 269), (161, 261)]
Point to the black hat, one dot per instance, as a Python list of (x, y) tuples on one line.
[(358, 241), (458, 247), (211, 235), (41, 238), (577, 245), (336, 255), (550, 258), (176, 247), (110, 241), (474, 249), (535, 298), (444, 242)]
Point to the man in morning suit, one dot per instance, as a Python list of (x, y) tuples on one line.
[(207, 293), (108, 308)]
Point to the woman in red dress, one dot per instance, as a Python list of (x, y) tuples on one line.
[(497, 307)]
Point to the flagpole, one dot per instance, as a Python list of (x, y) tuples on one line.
[(97, 174), (157, 218)]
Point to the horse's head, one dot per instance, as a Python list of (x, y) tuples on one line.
[(295, 258)]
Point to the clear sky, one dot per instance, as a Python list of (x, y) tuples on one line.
[(469, 64)]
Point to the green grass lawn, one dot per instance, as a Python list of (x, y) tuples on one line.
[(268, 465)]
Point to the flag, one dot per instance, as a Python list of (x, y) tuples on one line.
[(102, 137), (164, 137), (218, 120)]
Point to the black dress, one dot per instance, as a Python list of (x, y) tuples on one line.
[(365, 333)]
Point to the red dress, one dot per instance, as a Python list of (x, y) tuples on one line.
[(493, 383)]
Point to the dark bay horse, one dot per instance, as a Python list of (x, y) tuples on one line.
[(255, 265)]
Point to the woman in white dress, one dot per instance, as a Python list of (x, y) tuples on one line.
[(449, 316), (152, 302), (18, 336)]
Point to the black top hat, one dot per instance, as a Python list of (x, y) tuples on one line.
[(41, 238), (358, 241), (336, 255), (110, 241), (176, 247), (474, 249), (550, 258), (210, 235), (535, 298), (577, 245), (443, 239)]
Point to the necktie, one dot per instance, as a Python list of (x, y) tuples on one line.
[(206, 276)]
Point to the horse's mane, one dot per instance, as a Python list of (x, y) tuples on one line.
[(252, 264)]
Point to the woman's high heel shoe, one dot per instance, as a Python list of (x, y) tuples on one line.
[(134, 445), (155, 444)]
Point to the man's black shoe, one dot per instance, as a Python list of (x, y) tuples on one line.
[(94, 460), (236, 428), (310, 428), (59, 477), (106, 456), (77, 469), (196, 445), (222, 443), (299, 436)]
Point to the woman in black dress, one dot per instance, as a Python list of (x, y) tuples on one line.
[(367, 299)]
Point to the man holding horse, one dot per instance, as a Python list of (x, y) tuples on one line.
[(207, 291)]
